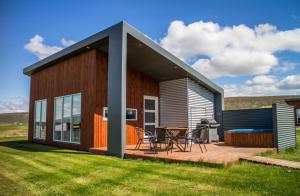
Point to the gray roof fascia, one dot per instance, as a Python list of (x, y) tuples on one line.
[(138, 35)]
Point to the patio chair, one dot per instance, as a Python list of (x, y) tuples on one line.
[(140, 137), (161, 137), (152, 138), (197, 136)]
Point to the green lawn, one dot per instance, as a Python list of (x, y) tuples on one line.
[(290, 154), (12, 130), (32, 169)]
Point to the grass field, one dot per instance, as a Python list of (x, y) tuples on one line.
[(290, 154), (32, 169), (12, 130), (13, 124)]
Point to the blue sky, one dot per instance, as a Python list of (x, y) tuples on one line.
[(53, 20)]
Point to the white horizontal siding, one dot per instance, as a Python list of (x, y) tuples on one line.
[(286, 134), (173, 103), (200, 103)]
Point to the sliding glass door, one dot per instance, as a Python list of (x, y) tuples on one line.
[(67, 121)]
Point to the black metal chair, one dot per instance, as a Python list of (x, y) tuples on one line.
[(161, 137), (196, 136)]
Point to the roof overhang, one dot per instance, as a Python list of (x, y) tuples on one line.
[(143, 54)]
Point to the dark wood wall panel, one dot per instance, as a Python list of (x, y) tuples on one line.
[(74, 75), (100, 126), (87, 73), (138, 85)]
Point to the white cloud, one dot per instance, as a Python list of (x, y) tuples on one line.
[(13, 104), (261, 80), (66, 42), (231, 51), (37, 47), (290, 82), (265, 85)]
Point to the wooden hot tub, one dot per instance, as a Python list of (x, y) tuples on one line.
[(249, 137)]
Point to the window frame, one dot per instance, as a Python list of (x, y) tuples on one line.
[(71, 119), (298, 116), (136, 117), (40, 119)]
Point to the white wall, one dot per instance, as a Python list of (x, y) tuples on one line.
[(200, 103), (173, 103), (184, 102)]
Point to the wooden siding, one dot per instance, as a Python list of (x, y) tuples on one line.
[(296, 104), (87, 73), (249, 139), (173, 103), (200, 103), (138, 85), (74, 75)]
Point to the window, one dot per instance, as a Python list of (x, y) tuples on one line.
[(131, 114), (67, 120), (40, 119), (298, 116)]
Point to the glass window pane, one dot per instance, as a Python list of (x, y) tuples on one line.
[(149, 104), (67, 106), (66, 118), (105, 113), (44, 111), (131, 114), (149, 117), (66, 129), (57, 130), (58, 118), (76, 129), (76, 105), (58, 108), (76, 118), (37, 111), (298, 116), (43, 119), (37, 128)]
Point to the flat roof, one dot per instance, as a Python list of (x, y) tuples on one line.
[(183, 69)]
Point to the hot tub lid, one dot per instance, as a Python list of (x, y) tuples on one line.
[(250, 130)]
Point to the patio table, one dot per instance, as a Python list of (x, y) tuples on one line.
[(173, 133)]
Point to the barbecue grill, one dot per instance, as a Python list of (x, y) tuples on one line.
[(212, 126)]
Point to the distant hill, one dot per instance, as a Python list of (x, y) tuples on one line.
[(19, 117), (231, 103), (235, 103)]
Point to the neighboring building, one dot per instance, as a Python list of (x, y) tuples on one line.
[(95, 92), (296, 103)]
